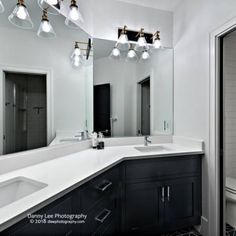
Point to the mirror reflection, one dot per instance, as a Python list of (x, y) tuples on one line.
[(45, 91), (133, 94)]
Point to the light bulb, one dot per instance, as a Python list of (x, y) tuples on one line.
[(142, 42), (157, 43), (52, 2), (145, 55), (116, 52), (76, 61), (77, 51), (1, 7), (74, 14), (131, 53), (123, 39), (21, 12), (46, 27)]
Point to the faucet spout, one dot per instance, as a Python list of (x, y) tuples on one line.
[(146, 141)]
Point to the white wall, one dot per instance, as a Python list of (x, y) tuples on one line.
[(193, 22), (23, 49), (229, 55)]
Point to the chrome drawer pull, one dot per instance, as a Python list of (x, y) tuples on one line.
[(168, 193), (103, 187), (163, 194), (101, 220)]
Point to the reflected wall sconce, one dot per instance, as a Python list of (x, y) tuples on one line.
[(1, 7), (79, 54), (156, 40), (20, 16), (45, 29)]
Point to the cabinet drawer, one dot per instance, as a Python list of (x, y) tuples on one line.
[(162, 167), (99, 217), (95, 190)]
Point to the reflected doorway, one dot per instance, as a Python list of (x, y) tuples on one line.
[(25, 112), (145, 106)]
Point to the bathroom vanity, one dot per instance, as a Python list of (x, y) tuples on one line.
[(130, 193)]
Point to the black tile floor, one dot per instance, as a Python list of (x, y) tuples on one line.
[(230, 231), (184, 232)]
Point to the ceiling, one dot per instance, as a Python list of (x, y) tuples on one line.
[(167, 5)]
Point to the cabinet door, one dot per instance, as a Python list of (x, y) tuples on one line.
[(182, 202), (143, 207), (25, 228)]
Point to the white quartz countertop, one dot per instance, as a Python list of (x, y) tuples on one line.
[(66, 173)]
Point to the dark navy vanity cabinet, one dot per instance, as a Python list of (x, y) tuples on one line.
[(144, 196)]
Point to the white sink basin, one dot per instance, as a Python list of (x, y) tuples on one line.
[(17, 188), (152, 149)]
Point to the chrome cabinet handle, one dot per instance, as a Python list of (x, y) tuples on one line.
[(163, 194), (103, 187), (101, 220), (168, 193)]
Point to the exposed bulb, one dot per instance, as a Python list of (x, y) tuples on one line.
[(77, 52), (46, 27), (52, 2), (132, 53), (157, 43), (142, 42), (74, 13), (116, 52), (21, 12), (123, 39), (145, 55), (76, 61), (1, 7)]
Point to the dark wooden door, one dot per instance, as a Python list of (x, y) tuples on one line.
[(102, 112), (145, 107), (143, 208), (182, 202)]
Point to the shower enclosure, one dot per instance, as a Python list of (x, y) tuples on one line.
[(25, 125)]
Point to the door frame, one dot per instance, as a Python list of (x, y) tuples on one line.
[(216, 171), (49, 93)]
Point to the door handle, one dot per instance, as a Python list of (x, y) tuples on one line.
[(105, 185), (168, 193), (103, 215), (163, 194)]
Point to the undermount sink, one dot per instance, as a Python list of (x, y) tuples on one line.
[(152, 148), (17, 188)]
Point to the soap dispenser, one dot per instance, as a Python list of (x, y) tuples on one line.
[(94, 140), (100, 141)]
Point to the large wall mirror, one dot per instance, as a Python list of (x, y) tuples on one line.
[(132, 97), (41, 93)]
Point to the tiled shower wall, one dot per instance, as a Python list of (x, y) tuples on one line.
[(229, 75)]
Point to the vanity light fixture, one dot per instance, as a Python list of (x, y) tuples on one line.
[(45, 29), (1, 7), (156, 40), (20, 16), (74, 11), (142, 43), (115, 54), (123, 41)]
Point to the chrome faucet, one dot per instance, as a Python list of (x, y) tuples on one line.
[(146, 140)]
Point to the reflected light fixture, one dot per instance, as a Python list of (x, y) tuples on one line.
[(45, 29), (156, 40), (132, 56), (123, 41), (145, 56), (142, 43), (76, 56), (51, 2), (74, 11), (1, 7), (115, 54), (20, 16)]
